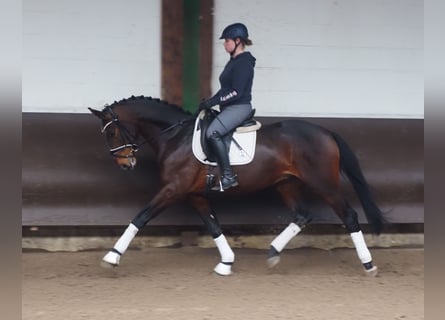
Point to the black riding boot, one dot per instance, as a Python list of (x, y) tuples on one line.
[(228, 178)]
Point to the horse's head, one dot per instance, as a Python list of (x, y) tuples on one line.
[(125, 121), (120, 135)]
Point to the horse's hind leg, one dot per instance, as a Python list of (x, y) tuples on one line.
[(201, 204), (290, 193), (350, 219)]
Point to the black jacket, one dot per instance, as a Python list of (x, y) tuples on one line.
[(236, 81)]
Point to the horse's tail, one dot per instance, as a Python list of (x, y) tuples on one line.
[(350, 166)]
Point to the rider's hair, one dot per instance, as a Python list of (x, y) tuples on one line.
[(246, 42)]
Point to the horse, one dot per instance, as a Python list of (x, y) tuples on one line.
[(291, 156)]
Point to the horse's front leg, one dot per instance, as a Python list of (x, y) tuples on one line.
[(164, 198), (201, 204)]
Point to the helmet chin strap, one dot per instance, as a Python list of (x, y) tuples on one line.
[(234, 49)]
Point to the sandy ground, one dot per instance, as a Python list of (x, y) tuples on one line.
[(178, 283)]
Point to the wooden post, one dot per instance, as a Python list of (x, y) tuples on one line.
[(205, 48), (187, 35), (190, 65), (172, 55)]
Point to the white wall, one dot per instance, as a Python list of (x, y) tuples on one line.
[(84, 53), (339, 58)]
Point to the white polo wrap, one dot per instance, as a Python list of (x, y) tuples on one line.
[(124, 241), (224, 249), (285, 236), (361, 248)]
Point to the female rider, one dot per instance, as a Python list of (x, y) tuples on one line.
[(234, 97)]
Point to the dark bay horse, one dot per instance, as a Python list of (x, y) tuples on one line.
[(290, 155)]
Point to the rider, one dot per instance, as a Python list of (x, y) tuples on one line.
[(234, 97)]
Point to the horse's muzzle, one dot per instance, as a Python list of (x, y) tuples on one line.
[(126, 163)]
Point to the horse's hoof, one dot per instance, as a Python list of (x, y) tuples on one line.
[(372, 272), (223, 269), (111, 259), (273, 261)]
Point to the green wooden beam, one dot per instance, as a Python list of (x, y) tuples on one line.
[(190, 67)]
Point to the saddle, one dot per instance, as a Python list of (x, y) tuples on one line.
[(240, 142)]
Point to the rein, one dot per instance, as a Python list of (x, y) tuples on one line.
[(177, 124)]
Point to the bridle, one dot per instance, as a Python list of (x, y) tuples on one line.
[(127, 138)]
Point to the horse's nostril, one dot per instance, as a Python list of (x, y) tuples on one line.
[(128, 166)]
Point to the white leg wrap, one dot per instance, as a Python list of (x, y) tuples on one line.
[(224, 249), (360, 246), (124, 241), (112, 258), (285, 236)]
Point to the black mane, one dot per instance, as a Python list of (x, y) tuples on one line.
[(157, 111), (149, 99)]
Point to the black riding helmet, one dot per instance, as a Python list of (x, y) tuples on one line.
[(235, 30)]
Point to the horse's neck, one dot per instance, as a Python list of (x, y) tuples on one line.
[(160, 113), (154, 123)]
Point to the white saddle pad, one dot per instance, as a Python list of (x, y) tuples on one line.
[(237, 155)]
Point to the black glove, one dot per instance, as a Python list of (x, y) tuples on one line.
[(208, 103), (205, 104)]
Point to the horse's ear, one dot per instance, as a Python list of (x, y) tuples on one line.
[(97, 113)]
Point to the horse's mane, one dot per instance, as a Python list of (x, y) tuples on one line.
[(158, 111), (149, 99)]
